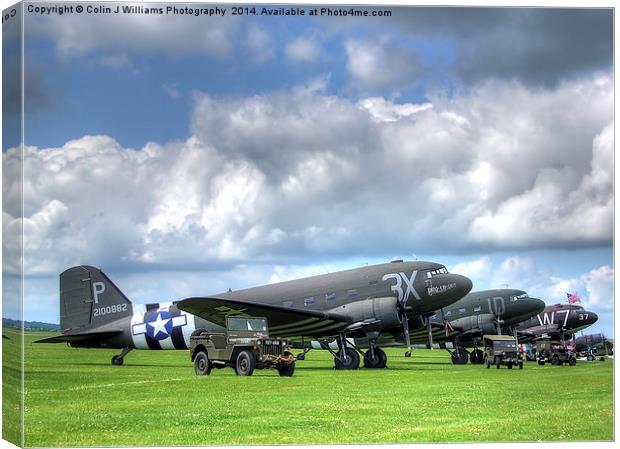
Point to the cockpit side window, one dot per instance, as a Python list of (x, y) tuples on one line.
[(431, 273)]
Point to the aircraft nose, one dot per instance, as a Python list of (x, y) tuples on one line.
[(591, 318), (443, 290), (463, 284), (534, 306)]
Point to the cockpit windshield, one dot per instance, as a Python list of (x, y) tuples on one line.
[(518, 297), (431, 273)]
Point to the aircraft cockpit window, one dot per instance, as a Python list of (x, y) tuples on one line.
[(431, 273), (523, 296)]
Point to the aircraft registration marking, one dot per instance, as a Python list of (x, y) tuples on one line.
[(397, 288)]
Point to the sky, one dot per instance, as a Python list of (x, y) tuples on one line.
[(185, 155)]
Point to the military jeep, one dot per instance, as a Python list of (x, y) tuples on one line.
[(245, 346), (554, 352), (501, 350)]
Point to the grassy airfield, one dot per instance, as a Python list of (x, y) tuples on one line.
[(74, 397)]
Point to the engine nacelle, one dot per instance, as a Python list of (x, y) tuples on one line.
[(382, 309)]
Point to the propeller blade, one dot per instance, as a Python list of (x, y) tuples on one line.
[(405, 321), (429, 332)]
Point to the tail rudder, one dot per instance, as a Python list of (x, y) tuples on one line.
[(88, 298)]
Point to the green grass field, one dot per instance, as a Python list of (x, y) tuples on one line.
[(74, 397)]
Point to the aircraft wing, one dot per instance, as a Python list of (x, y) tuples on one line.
[(282, 321), (79, 337)]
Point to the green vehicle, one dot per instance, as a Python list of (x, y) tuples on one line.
[(501, 350), (554, 352), (245, 346)]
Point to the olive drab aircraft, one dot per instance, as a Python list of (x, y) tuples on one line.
[(465, 322), (360, 302), (558, 322)]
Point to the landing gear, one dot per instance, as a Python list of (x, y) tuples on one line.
[(347, 358), (117, 360), (459, 356), (375, 358), (476, 357)]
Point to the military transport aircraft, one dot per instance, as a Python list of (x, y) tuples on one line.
[(590, 345), (361, 302), (465, 322), (558, 322)]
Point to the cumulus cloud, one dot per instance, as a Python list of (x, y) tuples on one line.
[(537, 46), (303, 49), (294, 175), (595, 287), (381, 64), (140, 32), (259, 44)]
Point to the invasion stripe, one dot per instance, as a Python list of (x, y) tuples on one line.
[(299, 323), (177, 337), (313, 331)]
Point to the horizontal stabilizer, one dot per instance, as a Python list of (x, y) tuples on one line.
[(79, 337), (282, 321)]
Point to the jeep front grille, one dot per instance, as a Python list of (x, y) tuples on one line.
[(272, 348)]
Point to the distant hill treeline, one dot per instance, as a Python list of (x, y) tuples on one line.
[(30, 325)]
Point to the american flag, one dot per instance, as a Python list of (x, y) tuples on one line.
[(448, 327), (573, 298)]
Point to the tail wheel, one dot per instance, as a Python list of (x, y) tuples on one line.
[(378, 361), (286, 370), (117, 361), (351, 359), (202, 366), (245, 363)]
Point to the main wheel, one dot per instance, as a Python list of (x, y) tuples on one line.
[(476, 357), (498, 362), (351, 359), (202, 366), (378, 361), (459, 357), (117, 361), (245, 363), (286, 370)]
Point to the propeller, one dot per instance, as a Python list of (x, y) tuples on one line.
[(429, 332), (498, 323), (404, 319)]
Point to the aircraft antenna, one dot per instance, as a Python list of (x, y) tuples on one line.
[(325, 268)]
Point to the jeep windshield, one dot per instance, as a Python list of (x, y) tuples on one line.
[(247, 324), (504, 344)]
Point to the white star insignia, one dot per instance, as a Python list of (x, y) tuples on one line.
[(159, 325)]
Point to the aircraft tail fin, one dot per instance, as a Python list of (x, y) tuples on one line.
[(88, 298)]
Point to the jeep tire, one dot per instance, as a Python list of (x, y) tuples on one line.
[(202, 366), (245, 363)]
